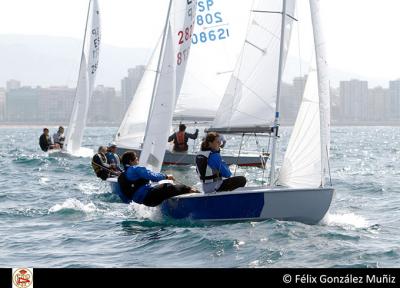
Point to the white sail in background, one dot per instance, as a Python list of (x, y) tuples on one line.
[(132, 129), (250, 99), (171, 70), (131, 132), (160, 118), (217, 39), (86, 79), (306, 160)]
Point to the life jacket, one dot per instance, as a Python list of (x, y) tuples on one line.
[(205, 172), (129, 188), (97, 167), (180, 143)]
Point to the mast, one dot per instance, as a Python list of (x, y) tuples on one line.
[(158, 67), (280, 72)]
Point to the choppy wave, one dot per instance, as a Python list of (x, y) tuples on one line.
[(75, 205), (347, 220), (54, 204)]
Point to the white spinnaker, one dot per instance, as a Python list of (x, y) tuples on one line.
[(174, 60), (132, 129), (250, 99), (86, 79), (323, 86), (301, 166), (217, 40)]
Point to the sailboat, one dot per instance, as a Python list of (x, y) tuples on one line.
[(85, 85), (155, 99), (216, 42), (251, 105)]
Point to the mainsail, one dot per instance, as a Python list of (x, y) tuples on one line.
[(250, 99), (216, 43), (173, 57), (86, 79), (179, 27)]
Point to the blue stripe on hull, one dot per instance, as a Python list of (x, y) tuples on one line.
[(233, 206)]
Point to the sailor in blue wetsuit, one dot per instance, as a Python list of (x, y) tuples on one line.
[(135, 183), (212, 169)]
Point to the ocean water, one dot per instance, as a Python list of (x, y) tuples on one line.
[(54, 212)]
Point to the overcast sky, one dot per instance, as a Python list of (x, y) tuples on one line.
[(363, 36)]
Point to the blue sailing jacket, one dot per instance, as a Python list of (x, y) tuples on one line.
[(216, 163), (136, 172)]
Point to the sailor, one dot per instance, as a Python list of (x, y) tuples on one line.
[(100, 165), (113, 157), (212, 170), (59, 137), (45, 141), (181, 138), (135, 183)]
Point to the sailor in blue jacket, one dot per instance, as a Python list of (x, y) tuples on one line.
[(213, 171), (135, 183)]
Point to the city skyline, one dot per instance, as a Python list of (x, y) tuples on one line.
[(353, 102)]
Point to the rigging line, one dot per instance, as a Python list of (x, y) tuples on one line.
[(255, 94), (240, 150), (273, 34)]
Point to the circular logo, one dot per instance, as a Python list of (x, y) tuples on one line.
[(22, 278)]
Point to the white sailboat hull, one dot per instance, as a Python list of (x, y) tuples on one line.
[(188, 158), (302, 205), (247, 204)]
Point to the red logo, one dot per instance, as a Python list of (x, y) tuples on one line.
[(22, 278)]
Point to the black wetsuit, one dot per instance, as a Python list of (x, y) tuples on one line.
[(45, 142)]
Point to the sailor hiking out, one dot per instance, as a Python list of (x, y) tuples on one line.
[(135, 183), (100, 165), (214, 173)]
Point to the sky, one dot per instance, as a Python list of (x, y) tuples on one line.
[(362, 35)]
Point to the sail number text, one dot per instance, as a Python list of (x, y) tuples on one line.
[(211, 22), (95, 50)]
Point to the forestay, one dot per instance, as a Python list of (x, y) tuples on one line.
[(86, 79), (250, 98)]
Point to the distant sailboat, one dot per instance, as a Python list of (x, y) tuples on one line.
[(251, 105), (148, 120), (85, 85), (215, 45)]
